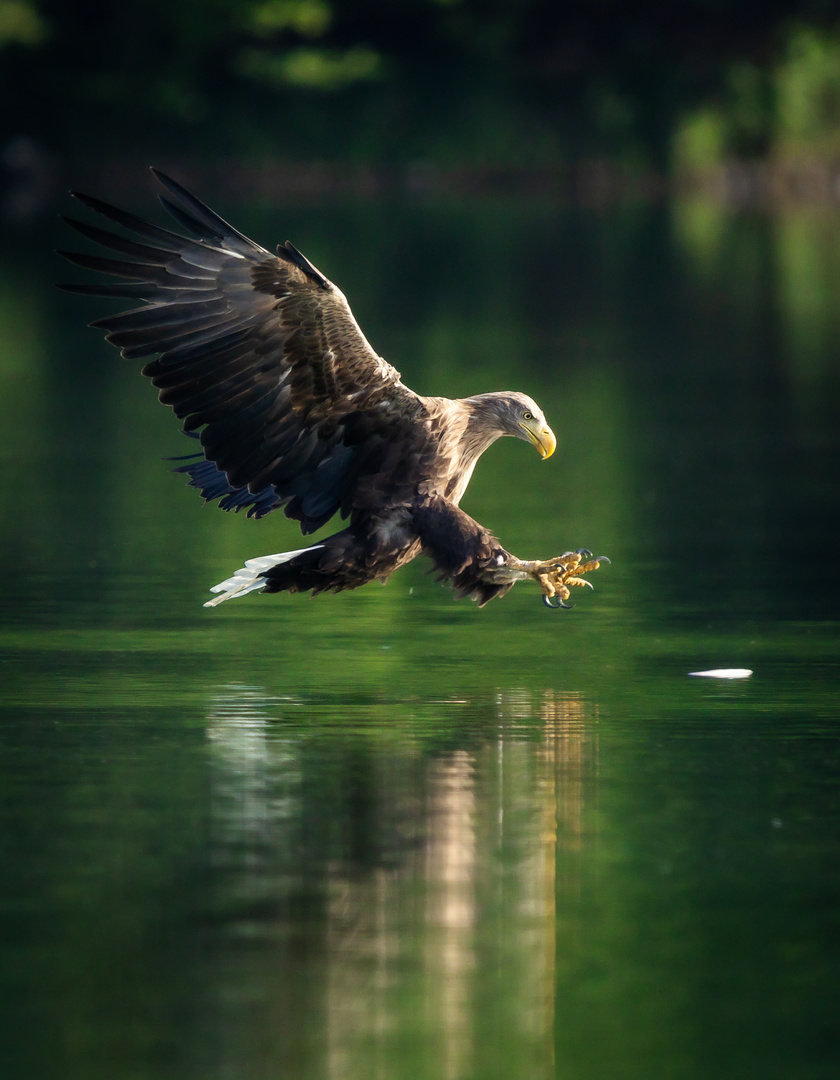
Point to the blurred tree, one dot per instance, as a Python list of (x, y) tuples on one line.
[(808, 89), (508, 82), (21, 24)]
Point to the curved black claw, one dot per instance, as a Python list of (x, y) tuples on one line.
[(585, 552), (603, 558), (558, 605)]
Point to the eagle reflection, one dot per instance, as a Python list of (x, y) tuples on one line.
[(409, 948)]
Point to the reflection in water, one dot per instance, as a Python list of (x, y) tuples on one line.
[(545, 876), (450, 873), (429, 957), (255, 797)]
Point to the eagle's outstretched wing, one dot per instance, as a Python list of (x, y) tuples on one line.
[(262, 355)]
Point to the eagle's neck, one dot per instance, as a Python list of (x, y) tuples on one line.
[(483, 424), (472, 425)]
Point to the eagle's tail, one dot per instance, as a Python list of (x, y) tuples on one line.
[(363, 552), (251, 577)]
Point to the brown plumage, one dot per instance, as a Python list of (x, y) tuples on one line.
[(260, 355)]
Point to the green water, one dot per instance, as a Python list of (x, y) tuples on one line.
[(386, 834)]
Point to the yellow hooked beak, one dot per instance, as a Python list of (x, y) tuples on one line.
[(541, 436)]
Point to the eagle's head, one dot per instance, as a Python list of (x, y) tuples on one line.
[(520, 416)]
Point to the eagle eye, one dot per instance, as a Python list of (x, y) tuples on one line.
[(527, 415)]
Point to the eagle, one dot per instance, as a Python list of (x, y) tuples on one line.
[(261, 358)]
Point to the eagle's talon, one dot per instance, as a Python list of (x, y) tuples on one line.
[(556, 607), (557, 576)]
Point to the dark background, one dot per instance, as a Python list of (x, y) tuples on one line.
[(424, 85)]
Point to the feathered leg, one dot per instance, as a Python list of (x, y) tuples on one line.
[(478, 566)]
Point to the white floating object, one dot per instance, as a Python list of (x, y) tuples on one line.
[(725, 673)]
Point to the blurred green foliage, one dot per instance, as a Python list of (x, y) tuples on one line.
[(507, 82), (788, 108), (21, 24), (808, 89)]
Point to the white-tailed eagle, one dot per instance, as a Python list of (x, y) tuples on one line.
[(260, 356)]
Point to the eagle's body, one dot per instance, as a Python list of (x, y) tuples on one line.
[(261, 356)]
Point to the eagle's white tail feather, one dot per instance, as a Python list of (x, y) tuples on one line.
[(249, 577)]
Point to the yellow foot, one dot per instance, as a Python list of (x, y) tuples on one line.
[(556, 577)]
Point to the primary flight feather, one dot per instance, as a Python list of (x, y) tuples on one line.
[(260, 356)]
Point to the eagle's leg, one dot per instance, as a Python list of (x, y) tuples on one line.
[(477, 564), (555, 577)]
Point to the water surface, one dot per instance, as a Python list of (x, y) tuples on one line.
[(386, 834)]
